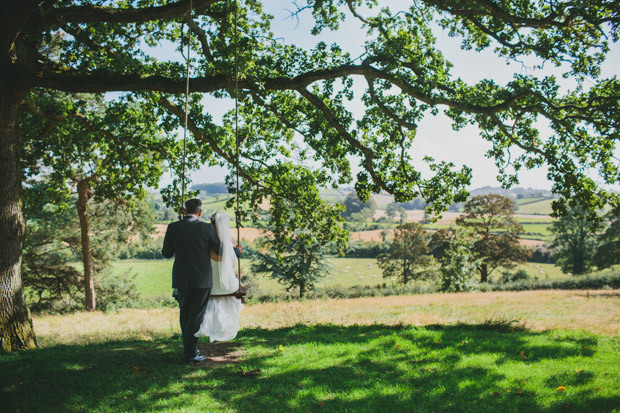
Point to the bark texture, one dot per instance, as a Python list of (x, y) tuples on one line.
[(84, 195), (16, 330)]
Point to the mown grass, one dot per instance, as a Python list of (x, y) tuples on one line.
[(357, 368)]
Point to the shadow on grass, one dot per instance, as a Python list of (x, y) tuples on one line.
[(321, 368)]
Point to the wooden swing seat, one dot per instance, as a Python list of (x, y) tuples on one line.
[(239, 294)]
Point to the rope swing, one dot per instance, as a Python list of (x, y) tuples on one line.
[(241, 292)]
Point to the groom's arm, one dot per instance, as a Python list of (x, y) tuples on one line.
[(168, 248)]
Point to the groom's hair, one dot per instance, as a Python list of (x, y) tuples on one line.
[(193, 206)]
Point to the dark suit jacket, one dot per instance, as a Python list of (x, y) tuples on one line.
[(190, 241)]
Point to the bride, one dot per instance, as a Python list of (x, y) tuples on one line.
[(221, 319)]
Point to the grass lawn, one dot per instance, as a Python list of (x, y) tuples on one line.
[(377, 359)]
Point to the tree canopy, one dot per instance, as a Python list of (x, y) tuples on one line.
[(491, 218), (408, 258), (295, 103)]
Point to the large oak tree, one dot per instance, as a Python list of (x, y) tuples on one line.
[(295, 104), (491, 218)]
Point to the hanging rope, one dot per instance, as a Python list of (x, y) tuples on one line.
[(241, 291), (237, 211), (189, 42)]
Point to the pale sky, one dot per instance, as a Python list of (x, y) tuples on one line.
[(435, 136)]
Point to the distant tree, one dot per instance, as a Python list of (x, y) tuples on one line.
[(46, 267), (440, 242), (393, 210), (384, 235), (403, 217), (574, 241), (53, 243), (491, 218), (459, 261), (417, 203), (357, 217), (608, 251), (300, 265), (294, 255), (407, 259), (354, 205)]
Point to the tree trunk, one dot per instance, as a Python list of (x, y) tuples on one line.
[(84, 195), (302, 287), (16, 330), (484, 272)]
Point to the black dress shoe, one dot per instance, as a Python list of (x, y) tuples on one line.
[(196, 360)]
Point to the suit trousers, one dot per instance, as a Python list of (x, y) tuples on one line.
[(192, 306)]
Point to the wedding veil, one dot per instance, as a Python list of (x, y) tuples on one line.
[(226, 268)]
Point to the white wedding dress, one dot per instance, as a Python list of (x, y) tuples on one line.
[(221, 320)]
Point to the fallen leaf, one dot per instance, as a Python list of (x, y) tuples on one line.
[(523, 356)]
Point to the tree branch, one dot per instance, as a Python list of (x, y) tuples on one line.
[(400, 121), (92, 14), (369, 155), (202, 38), (195, 130)]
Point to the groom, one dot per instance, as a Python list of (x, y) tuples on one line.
[(190, 242)]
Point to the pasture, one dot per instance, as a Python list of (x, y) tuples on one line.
[(529, 351), (153, 277)]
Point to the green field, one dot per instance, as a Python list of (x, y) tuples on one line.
[(540, 231), (540, 206), (153, 277)]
